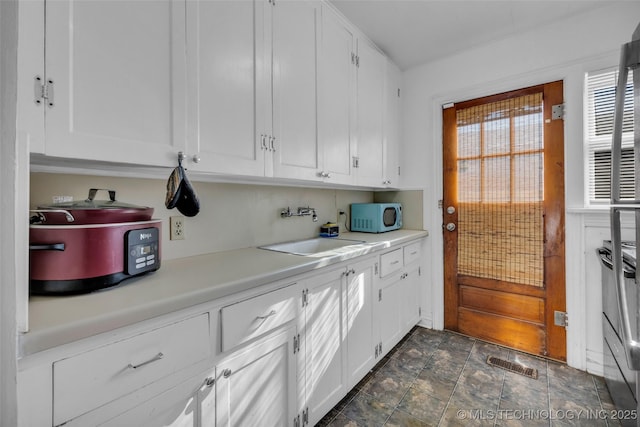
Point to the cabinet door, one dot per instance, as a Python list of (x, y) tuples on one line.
[(337, 95), (371, 74), (361, 341), (410, 303), (255, 386), (295, 28), (118, 74), (322, 338), (388, 317), (228, 85), (391, 162), (180, 406)]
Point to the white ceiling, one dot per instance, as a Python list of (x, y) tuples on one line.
[(414, 32)]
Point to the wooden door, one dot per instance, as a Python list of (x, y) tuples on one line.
[(503, 219)]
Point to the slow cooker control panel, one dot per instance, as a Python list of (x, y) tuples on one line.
[(142, 248)]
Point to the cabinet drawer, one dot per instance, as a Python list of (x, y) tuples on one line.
[(390, 262), (411, 252), (86, 381), (256, 316)]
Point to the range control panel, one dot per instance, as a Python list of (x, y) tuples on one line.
[(143, 250)]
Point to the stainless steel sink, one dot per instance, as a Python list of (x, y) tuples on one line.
[(311, 247)]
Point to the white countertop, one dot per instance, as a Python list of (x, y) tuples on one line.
[(178, 284)]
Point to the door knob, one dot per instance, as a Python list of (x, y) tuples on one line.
[(451, 226)]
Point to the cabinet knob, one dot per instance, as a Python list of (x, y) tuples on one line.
[(196, 158), (226, 373)]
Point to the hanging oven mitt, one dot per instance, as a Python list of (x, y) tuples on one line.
[(180, 193)]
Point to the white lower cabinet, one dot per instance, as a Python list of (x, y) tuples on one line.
[(361, 339), (256, 386), (283, 357), (321, 372), (189, 404), (397, 307)]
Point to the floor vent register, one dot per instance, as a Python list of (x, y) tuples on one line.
[(513, 367)]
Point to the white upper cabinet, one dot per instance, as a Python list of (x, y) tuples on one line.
[(227, 86), (259, 88), (371, 66), (337, 96), (115, 76), (294, 145), (391, 159), (252, 87)]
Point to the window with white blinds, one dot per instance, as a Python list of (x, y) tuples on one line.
[(600, 101)]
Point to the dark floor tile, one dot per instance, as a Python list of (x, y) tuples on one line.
[(461, 415), (402, 419), (447, 363), (390, 384), (520, 393), (411, 357), (421, 405), (442, 378), (342, 421), (434, 384), (366, 410)]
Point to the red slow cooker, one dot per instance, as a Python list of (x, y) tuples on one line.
[(80, 247)]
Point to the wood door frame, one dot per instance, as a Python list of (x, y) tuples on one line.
[(553, 205)]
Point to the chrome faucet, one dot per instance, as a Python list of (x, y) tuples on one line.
[(302, 211)]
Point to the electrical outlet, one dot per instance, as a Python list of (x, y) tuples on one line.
[(176, 228)]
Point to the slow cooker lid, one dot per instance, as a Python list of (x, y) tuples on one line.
[(91, 203)]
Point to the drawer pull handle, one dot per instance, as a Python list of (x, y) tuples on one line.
[(153, 359), (271, 313), (414, 252), (395, 262), (226, 373)]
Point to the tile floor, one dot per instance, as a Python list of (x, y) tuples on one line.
[(439, 378)]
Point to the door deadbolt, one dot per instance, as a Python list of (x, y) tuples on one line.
[(451, 226), (451, 210)]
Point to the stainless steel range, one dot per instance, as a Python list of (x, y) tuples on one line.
[(621, 380)]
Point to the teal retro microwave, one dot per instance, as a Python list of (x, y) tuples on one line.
[(376, 217)]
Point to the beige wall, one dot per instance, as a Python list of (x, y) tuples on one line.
[(231, 215)]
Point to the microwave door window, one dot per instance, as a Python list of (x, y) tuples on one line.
[(389, 217)]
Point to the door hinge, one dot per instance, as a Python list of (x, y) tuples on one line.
[(356, 162), (398, 170), (398, 92), (296, 421), (419, 271), (560, 318), (375, 269), (43, 91), (305, 297), (557, 112), (376, 351), (305, 416), (353, 58), (357, 61), (296, 344), (380, 294), (419, 311)]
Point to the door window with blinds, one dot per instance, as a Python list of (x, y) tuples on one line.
[(501, 190), (599, 109)]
